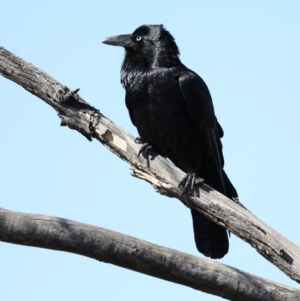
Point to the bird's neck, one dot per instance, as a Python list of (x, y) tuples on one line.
[(135, 65), (165, 58)]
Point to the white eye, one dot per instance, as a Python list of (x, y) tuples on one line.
[(138, 38)]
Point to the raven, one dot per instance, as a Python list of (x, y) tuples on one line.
[(172, 109)]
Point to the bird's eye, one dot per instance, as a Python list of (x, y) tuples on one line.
[(138, 38)]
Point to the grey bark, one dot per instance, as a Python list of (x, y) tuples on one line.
[(79, 115), (141, 256)]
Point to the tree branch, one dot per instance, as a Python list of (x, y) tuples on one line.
[(138, 255), (164, 176)]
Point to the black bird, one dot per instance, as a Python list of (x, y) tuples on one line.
[(172, 109)]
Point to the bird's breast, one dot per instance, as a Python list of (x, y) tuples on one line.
[(160, 113)]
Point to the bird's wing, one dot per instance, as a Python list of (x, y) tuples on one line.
[(198, 99), (199, 104), (128, 105)]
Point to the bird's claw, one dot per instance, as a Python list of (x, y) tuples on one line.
[(145, 148), (188, 183), (139, 140)]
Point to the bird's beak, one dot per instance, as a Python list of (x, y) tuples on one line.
[(122, 40)]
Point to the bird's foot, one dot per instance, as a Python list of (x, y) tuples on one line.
[(139, 140), (188, 183), (145, 148)]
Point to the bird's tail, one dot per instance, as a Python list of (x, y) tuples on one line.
[(212, 239)]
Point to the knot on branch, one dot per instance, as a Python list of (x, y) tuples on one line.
[(68, 94)]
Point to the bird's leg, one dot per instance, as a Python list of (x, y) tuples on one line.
[(188, 183)]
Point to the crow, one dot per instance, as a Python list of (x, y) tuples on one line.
[(173, 111)]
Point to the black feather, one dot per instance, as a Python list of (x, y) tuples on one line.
[(172, 109)]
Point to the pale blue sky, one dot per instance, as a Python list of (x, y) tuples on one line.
[(249, 55)]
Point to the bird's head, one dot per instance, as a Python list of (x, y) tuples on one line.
[(152, 44)]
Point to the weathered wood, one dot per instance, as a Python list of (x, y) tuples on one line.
[(141, 256), (164, 176)]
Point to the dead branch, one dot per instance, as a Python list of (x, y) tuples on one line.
[(79, 115), (138, 255)]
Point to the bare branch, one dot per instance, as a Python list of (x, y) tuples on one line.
[(79, 115), (140, 256)]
